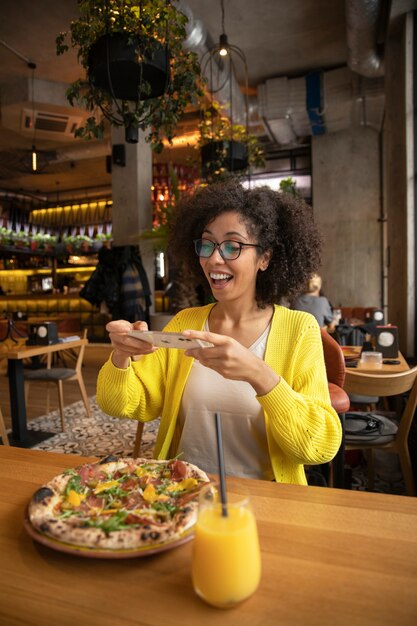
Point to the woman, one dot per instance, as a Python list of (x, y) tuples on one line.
[(313, 302), (265, 373)]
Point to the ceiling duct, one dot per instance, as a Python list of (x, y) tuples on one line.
[(283, 104), (346, 98), (200, 42), (366, 24)]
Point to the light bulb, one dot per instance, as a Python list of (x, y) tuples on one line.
[(223, 45), (34, 160)]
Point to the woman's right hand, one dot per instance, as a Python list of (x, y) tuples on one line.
[(125, 346)]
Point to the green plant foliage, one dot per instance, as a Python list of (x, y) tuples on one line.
[(157, 20), (288, 185), (215, 126)]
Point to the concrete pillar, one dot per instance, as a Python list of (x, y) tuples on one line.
[(131, 190), (399, 181), (347, 207)]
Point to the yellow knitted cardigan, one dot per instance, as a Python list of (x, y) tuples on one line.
[(301, 426)]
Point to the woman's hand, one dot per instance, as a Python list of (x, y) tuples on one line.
[(125, 346), (232, 360)]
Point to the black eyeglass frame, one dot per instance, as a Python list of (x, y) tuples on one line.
[(218, 246)]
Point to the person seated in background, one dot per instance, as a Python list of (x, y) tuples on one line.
[(265, 372), (311, 301)]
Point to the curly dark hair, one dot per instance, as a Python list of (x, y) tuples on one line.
[(276, 220)]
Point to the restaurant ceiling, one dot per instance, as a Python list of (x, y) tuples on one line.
[(280, 39)]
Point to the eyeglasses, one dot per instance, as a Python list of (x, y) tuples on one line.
[(229, 250)]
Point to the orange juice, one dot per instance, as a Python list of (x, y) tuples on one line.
[(226, 566)]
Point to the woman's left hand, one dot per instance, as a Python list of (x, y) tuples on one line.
[(232, 360)]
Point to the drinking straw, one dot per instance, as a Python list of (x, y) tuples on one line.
[(221, 464)]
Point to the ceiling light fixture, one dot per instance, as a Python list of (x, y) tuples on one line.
[(224, 127), (223, 45), (34, 159), (32, 66)]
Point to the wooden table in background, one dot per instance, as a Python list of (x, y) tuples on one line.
[(330, 558), (369, 368), (21, 436)]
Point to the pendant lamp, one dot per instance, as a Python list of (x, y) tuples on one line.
[(224, 125)]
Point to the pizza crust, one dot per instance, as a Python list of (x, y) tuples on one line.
[(52, 514)]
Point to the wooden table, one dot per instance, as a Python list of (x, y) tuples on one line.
[(330, 558), (21, 436), (370, 368)]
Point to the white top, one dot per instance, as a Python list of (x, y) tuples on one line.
[(243, 425)]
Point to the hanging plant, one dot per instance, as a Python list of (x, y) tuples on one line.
[(226, 148), (137, 73), (288, 185)]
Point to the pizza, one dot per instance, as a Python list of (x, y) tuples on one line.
[(119, 503)]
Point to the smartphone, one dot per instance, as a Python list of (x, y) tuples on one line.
[(391, 362), (162, 339), (351, 364)]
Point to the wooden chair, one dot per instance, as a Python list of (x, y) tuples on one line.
[(3, 432), (336, 371), (58, 375), (386, 385)]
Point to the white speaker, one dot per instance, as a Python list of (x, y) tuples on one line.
[(375, 317), (387, 341)]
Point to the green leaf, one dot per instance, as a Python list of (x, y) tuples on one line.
[(150, 17), (110, 524), (74, 484)]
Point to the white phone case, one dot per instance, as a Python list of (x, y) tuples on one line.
[(163, 339)]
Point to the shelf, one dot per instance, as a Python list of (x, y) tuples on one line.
[(28, 288), (7, 250), (20, 282), (61, 306)]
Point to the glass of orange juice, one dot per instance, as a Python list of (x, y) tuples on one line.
[(226, 561)]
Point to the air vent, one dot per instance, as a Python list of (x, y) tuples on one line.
[(51, 125)]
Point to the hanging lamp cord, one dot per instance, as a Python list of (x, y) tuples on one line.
[(222, 8)]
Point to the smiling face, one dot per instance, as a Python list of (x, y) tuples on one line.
[(232, 279)]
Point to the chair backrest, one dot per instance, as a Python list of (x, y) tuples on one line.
[(80, 357), (386, 385), (334, 359)]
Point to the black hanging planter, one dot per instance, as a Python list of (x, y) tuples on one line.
[(231, 155), (113, 65)]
